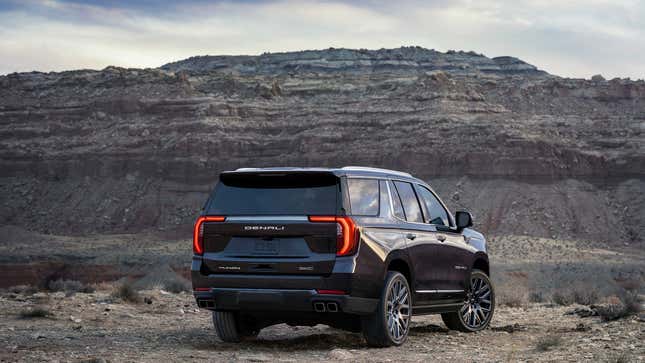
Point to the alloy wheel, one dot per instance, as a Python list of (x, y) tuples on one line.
[(398, 310), (477, 308)]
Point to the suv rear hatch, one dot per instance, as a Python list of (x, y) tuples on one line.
[(261, 223)]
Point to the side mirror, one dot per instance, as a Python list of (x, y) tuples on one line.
[(464, 220)]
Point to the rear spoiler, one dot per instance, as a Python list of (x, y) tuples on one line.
[(278, 178)]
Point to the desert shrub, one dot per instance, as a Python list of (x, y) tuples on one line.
[(69, 286), (621, 358), (582, 296), (512, 290), (629, 305), (176, 286), (23, 289), (561, 298), (126, 292), (536, 297), (585, 296), (548, 342), (511, 298), (37, 312)]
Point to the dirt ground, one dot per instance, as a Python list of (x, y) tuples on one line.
[(95, 327)]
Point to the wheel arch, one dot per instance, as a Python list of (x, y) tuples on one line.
[(481, 263), (398, 261)]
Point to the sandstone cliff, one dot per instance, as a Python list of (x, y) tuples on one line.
[(125, 150)]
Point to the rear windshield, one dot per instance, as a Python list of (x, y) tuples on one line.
[(275, 194)]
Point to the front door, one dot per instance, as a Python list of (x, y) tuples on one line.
[(451, 276)]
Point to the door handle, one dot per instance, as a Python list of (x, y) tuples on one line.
[(411, 236), (441, 237)]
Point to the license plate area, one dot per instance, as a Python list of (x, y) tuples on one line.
[(266, 248)]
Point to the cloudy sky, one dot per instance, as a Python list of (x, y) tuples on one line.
[(573, 38)]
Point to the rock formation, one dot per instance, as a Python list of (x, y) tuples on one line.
[(126, 150)]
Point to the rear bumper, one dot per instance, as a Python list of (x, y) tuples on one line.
[(280, 300)]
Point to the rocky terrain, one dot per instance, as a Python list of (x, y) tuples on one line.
[(102, 173), (95, 326)]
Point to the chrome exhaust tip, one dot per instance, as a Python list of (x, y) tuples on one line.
[(332, 307), (319, 307)]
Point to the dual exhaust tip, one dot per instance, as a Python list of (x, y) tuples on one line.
[(206, 304), (321, 307)]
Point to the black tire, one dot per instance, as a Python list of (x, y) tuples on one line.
[(456, 321), (231, 328), (225, 323), (375, 327)]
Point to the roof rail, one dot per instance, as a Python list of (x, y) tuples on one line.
[(378, 170)]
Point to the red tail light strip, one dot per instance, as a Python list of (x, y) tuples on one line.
[(346, 243), (198, 232)]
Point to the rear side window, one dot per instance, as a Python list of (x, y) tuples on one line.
[(409, 201), (437, 214), (275, 195), (363, 196)]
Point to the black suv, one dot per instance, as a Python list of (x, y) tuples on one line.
[(356, 248)]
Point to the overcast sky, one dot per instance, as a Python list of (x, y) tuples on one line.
[(572, 38)]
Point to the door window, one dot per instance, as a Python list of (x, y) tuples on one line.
[(409, 201), (397, 207), (437, 214)]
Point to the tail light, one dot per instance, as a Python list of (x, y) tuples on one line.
[(198, 232), (346, 233)]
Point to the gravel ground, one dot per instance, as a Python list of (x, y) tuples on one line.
[(97, 327)]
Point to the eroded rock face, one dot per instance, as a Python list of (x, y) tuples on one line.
[(131, 149), (400, 60)]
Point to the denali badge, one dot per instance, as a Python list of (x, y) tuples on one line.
[(228, 267), (264, 228)]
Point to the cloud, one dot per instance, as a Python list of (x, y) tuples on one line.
[(573, 38)]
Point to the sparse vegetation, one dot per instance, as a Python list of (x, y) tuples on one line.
[(70, 287), (127, 293), (536, 297), (622, 358), (582, 296), (629, 305), (512, 293), (23, 289), (37, 312), (585, 296), (513, 299), (548, 342), (176, 286)]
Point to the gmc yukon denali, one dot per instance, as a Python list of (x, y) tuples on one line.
[(356, 248)]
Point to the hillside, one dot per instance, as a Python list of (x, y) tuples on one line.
[(130, 150)]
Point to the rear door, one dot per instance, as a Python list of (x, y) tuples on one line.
[(267, 230), (420, 239)]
